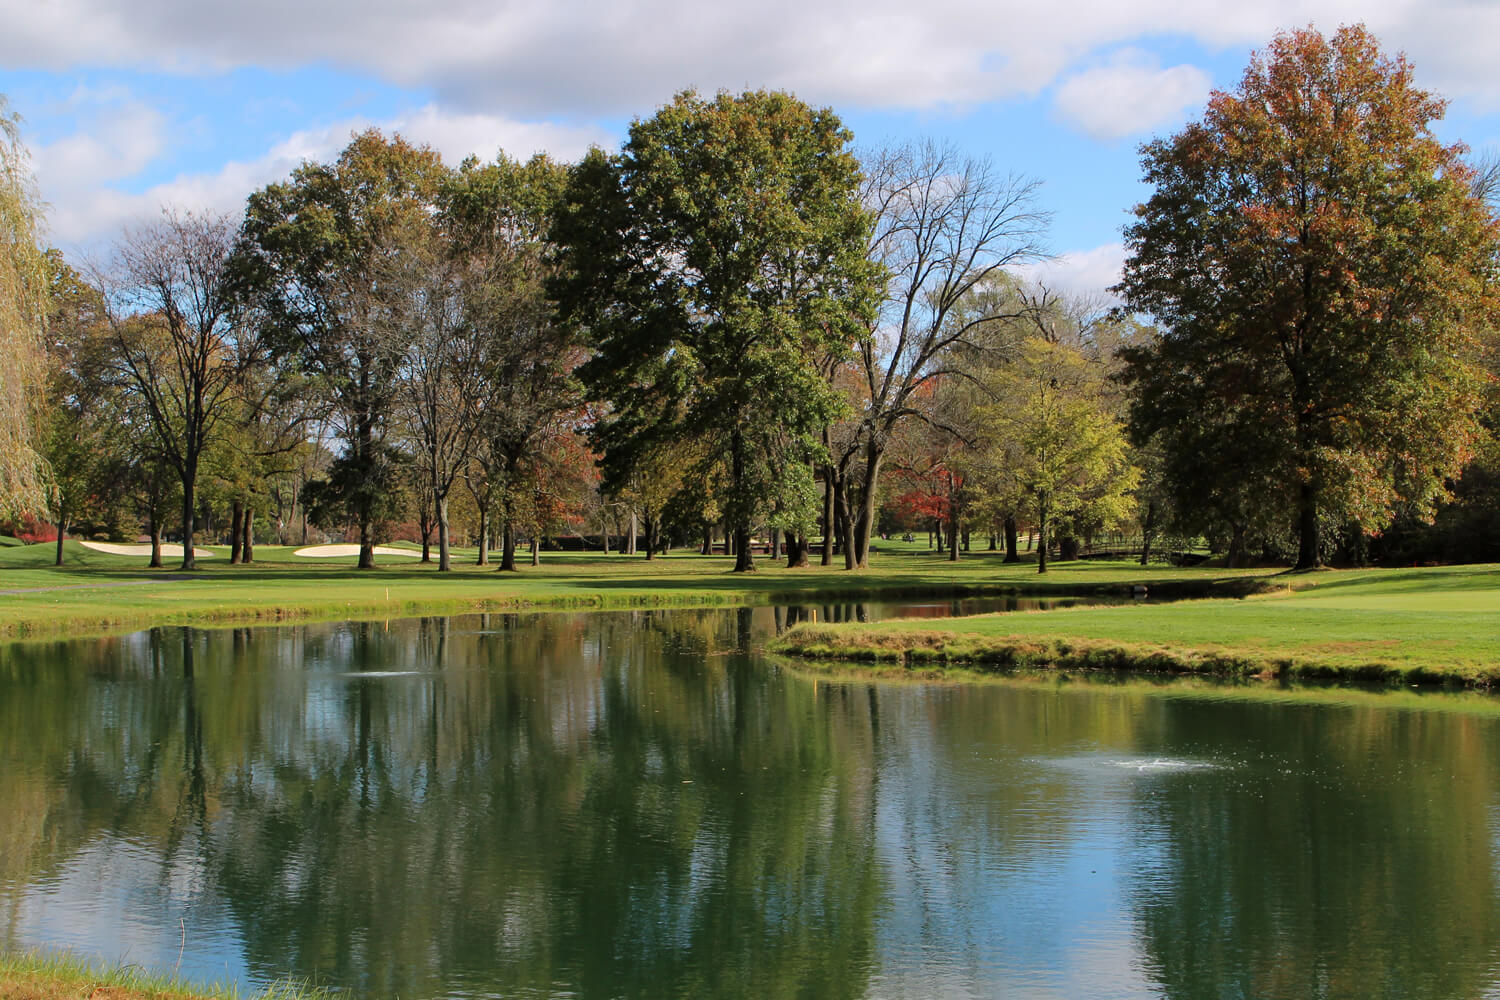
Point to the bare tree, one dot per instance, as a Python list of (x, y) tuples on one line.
[(1485, 184), (176, 337), (944, 225)]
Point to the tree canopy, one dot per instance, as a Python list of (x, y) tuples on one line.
[(715, 261), (1320, 267), (323, 255)]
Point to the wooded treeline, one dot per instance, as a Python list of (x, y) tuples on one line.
[(736, 330)]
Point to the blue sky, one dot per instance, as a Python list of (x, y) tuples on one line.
[(129, 107)]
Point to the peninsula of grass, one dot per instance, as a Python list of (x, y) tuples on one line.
[(94, 592), (37, 975), (1428, 625)]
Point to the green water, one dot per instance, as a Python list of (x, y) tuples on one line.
[(641, 805)]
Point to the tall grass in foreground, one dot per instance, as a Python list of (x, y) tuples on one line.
[(54, 975)]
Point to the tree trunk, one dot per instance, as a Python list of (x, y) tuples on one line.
[(994, 542), (1307, 525), (1012, 541), (154, 526), (843, 524), (1148, 532), (365, 443), (775, 549), (796, 551), (366, 543), (445, 557), (507, 541), (484, 537), (62, 533), (189, 502), (1236, 556), (953, 540), (649, 522), (536, 549), (708, 541), (1041, 542), (247, 550), (744, 559), (826, 558), (630, 542), (284, 506), (865, 515), (236, 530)]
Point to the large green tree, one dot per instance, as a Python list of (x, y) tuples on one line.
[(1318, 265), (325, 255), (715, 261)]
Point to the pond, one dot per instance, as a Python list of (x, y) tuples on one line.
[(640, 804)]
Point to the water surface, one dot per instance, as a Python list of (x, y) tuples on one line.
[(640, 805)]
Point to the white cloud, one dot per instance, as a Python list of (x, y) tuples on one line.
[(535, 58), (76, 173), (1085, 273), (117, 136), (1129, 94)]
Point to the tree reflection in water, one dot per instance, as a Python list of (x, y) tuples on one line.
[(635, 804)]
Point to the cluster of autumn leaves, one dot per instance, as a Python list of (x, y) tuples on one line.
[(734, 325)]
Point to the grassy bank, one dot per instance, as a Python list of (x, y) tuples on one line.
[(1409, 625), (94, 592), (54, 976)]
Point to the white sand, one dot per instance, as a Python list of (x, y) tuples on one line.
[(168, 549), (329, 551)]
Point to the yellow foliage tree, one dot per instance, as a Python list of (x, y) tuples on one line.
[(23, 309)]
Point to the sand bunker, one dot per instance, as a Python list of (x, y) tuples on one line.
[(329, 551), (169, 549)]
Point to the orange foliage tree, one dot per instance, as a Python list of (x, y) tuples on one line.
[(1318, 267)]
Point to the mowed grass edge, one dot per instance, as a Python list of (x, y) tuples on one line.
[(1423, 625)]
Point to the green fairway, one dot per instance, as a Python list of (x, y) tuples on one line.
[(96, 592), (1428, 624)]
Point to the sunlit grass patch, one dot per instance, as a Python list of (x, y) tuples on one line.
[(52, 975)]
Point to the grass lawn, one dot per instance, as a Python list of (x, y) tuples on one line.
[(95, 592), (1410, 624)]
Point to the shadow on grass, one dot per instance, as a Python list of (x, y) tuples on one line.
[(1394, 580)]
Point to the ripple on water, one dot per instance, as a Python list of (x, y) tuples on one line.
[(1107, 764), (361, 675)]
